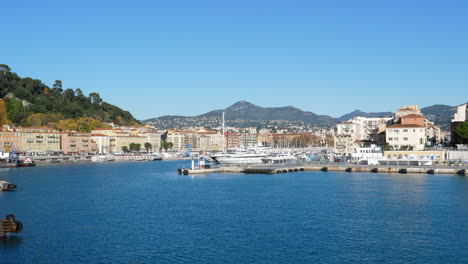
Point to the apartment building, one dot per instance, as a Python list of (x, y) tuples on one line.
[(77, 143), (37, 140), (406, 137)]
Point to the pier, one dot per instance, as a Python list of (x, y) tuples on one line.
[(454, 170)]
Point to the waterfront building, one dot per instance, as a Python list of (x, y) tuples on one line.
[(36, 140), (201, 140), (370, 154), (110, 140), (77, 143), (103, 143), (434, 155), (358, 129), (406, 137)]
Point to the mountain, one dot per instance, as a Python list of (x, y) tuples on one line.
[(364, 114), (30, 102), (441, 115), (245, 114)]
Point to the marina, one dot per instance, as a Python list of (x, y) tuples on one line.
[(294, 217)]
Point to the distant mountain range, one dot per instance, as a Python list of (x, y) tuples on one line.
[(245, 114), (364, 114)]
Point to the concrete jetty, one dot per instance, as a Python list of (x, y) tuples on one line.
[(455, 170), (461, 170)]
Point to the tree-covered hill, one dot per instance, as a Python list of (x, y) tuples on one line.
[(30, 102)]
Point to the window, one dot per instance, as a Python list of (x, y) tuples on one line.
[(390, 139), (405, 130), (405, 139)]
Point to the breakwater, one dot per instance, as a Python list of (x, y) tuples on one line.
[(460, 170)]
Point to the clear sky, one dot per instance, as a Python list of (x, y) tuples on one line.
[(188, 57)]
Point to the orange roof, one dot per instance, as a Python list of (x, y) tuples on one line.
[(404, 125)]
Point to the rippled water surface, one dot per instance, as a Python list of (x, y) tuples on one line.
[(147, 213)]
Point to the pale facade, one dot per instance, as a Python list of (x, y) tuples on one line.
[(436, 155), (103, 143), (39, 140), (77, 143), (462, 114), (202, 140), (406, 136)]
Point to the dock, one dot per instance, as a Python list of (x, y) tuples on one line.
[(261, 169)]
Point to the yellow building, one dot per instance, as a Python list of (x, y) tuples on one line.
[(38, 140)]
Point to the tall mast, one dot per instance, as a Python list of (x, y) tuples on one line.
[(224, 143)]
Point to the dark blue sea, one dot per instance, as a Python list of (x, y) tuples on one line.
[(144, 212)]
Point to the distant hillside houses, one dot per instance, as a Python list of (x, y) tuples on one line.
[(407, 129)]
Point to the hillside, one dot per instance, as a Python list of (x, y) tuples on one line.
[(30, 102), (364, 114), (245, 114), (441, 115)]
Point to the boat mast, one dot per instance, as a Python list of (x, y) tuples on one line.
[(224, 141)]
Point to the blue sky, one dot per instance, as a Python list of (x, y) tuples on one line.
[(330, 57)]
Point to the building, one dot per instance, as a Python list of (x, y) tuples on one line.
[(30, 140), (406, 137), (77, 143), (435, 155), (460, 116), (407, 110), (412, 119), (359, 129)]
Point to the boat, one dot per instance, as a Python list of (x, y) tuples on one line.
[(239, 158), (279, 158), (102, 158), (7, 186), (27, 162), (10, 225)]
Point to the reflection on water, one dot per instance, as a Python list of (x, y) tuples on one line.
[(10, 241)]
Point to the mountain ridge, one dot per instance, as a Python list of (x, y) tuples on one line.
[(243, 114)]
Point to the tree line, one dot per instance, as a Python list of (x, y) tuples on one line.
[(29, 102)]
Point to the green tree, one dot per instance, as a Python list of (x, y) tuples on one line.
[(135, 146), (167, 145), (95, 99), (148, 146), (125, 149), (4, 67), (460, 135)]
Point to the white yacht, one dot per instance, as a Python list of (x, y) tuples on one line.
[(239, 158), (279, 158)]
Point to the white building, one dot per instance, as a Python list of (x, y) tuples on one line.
[(406, 136), (357, 129), (371, 155), (462, 114)]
